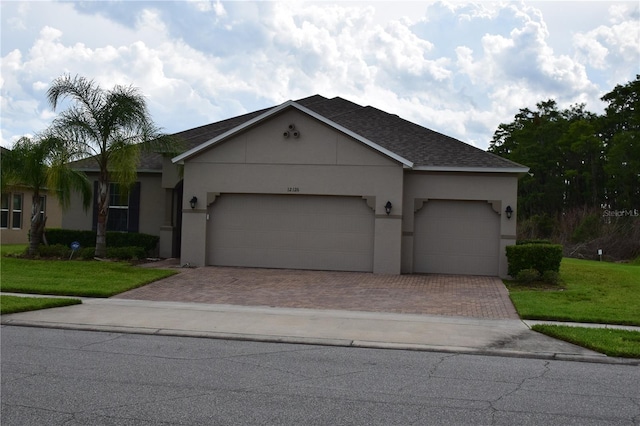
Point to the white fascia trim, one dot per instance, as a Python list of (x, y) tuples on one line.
[(472, 169), (180, 158)]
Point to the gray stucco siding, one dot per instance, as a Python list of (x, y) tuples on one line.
[(320, 162)]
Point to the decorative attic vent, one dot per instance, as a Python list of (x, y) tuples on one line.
[(291, 131)]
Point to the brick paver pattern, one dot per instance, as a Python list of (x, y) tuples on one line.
[(431, 294)]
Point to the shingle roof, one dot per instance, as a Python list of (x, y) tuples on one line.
[(425, 148)]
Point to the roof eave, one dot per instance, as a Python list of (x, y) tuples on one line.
[(96, 170), (459, 169)]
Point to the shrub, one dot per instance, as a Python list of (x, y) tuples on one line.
[(132, 239), (541, 257), (67, 236), (588, 229), (56, 250), (551, 277), (528, 276), (582, 231), (522, 242), (126, 253), (86, 253), (114, 239)]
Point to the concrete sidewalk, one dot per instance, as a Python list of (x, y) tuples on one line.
[(310, 326)]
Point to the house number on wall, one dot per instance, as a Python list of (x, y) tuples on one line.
[(293, 189)]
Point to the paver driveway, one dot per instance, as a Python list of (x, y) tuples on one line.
[(461, 295)]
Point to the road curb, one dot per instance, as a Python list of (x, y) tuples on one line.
[(460, 350)]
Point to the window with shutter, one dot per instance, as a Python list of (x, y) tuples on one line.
[(124, 209)]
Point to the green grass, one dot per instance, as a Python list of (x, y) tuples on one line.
[(13, 304), (619, 343), (591, 291), (74, 278), (6, 249)]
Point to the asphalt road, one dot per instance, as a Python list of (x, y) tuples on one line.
[(67, 377)]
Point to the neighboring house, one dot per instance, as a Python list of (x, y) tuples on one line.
[(325, 184), (15, 214)]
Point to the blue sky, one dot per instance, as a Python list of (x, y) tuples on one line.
[(459, 68)]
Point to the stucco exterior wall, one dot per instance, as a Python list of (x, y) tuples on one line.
[(321, 161), (498, 189), (152, 206), (152, 203), (75, 217), (53, 212)]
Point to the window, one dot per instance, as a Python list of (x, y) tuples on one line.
[(43, 205), (124, 210), (16, 215), (4, 212), (118, 209), (11, 210)]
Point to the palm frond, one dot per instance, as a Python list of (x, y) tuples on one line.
[(26, 164), (124, 159), (79, 89), (65, 181), (42, 164)]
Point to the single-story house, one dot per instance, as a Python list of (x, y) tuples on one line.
[(15, 212), (324, 184)]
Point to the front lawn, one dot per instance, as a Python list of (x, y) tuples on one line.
[(590, 291), (6, 249), (13, 304), (620, 343), (74, 278)]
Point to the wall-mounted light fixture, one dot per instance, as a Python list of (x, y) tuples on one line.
[(193, 201), (508, 211), (387, 207)]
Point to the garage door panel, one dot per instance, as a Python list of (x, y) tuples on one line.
[(466, 265), (456, 237), (343, 242), (296, 259), (312, 222), (300, 232)]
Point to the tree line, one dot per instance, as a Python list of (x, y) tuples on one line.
[(578, 160)]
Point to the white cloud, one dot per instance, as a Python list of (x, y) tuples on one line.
[(458, 68), (209, 6), (615, 47)]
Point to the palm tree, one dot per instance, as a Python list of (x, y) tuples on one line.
[(112, 126), (42, 164)]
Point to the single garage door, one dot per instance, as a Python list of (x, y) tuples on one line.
[(456, 237), (291, 231)]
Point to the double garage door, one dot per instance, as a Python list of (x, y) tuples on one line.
[(456, 237), (337, 233), (291, 231)]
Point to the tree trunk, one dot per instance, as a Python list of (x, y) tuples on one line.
[(35, 231), (103, 216)]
